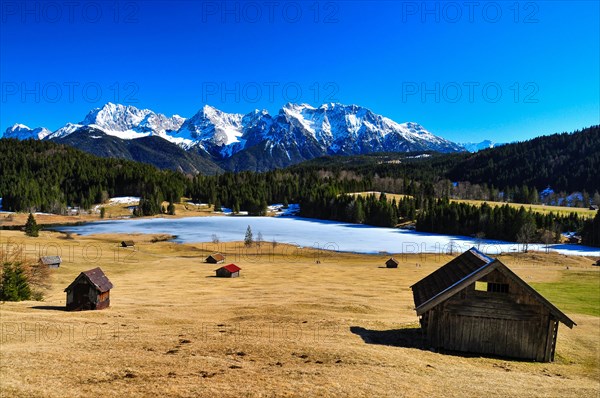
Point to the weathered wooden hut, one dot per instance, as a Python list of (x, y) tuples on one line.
[(477, 304), (228, 271), (215, 258), (50, 261), (127, 243), (89, 291), (392, 263)]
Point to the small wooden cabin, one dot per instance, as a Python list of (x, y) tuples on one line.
[(477, 304), (127, 243), (89, 291), (50, 261), (392, 263), (228, 271), (216, 258)]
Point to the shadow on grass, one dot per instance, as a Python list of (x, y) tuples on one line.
[(408, 337), (49, 307), (414, 338)]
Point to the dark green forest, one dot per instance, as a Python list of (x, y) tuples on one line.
[(44, 176)]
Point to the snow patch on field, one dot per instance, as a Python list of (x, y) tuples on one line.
[(124, 200)]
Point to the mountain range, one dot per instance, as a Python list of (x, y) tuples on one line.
[(212, 140)]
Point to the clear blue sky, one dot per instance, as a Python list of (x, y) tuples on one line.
[(439, 64)]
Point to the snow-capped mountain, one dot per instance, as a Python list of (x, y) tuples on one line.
[(214, 131), (478, 146), (333, 128), (129, 122), (22, 132), (259, 140), (126, 122), (352, 129)]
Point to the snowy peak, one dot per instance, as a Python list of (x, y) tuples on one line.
[(116, 117), (353, 129), (130, 122), (22, 132), (213, 130)]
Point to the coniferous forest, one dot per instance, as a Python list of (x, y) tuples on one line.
[(44, 176)]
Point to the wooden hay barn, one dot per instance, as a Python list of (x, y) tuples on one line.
[(228, 271), (477, 304), (216, 258), (392, 263), (50, 261), (89, 291), (127, 243)]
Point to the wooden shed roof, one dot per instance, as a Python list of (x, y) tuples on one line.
[(48, 260), (448, 275), (461, 272), (231, 268), (128, 243), (393, 260), (217, 256), (97, 277)]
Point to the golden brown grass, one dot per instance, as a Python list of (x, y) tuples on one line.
[(287, 327)]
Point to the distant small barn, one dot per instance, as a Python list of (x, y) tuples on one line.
[(216, 258), (392, 263), (476, 304), (50, 261), (127, 243), (228, 271), (594, 207), (89, 291)]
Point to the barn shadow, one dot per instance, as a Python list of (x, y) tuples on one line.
[(49, 307), (407, 337)]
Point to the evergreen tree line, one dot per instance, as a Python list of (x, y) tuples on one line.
[(44, 176), (495, 222), (252, 192), (371, 209), (590, 234)]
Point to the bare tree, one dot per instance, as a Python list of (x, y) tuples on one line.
[(215, 239), (526, 235), (478, 238), (259, 239)]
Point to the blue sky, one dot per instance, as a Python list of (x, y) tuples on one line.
[(504, 71)]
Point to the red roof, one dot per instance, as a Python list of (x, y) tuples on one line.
[(232, 268)]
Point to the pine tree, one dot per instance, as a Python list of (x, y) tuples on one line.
[(102, 212), (14, 285), (31, 227), (248, 239), (171, 209)]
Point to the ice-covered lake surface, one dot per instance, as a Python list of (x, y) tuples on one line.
[(306, 232)]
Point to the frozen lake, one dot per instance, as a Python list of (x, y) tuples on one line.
[(306, 232)]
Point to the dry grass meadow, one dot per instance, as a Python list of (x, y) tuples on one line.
[(288, 327)]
